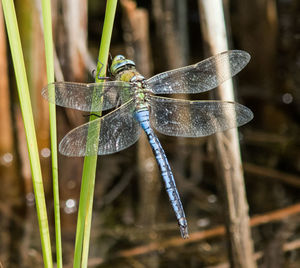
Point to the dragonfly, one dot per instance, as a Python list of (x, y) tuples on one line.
[(137, 104)]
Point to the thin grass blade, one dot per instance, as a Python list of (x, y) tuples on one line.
[(48, 39)]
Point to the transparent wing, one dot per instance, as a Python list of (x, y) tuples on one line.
[(118, 131), (80, 96), (184, 118), (201, 76)]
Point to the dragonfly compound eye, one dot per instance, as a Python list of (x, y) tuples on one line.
[(119, 63)]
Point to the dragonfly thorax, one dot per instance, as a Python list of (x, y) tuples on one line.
[(124, 70), (140, 94)]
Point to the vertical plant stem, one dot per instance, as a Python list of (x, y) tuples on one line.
[(227, 148), (23, 91), (47, 23), (90, 162)]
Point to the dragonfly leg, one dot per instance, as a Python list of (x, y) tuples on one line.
[(100, 70), (100, 77), (143, 118)]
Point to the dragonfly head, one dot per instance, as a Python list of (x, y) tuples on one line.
[(120, 63)]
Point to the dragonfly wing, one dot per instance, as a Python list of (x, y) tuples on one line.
[(202, 76), (87, 97), (184, 118), (118, 130)]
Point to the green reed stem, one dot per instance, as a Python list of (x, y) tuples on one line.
[(25, 103), (90, 162), (47, 23)]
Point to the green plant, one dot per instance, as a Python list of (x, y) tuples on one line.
[(25, 103), (48, 39), (90, 162)]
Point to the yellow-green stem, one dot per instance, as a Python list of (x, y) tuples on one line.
[(47, 24), (90, 162), (25, 103)]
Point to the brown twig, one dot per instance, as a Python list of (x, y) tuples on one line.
[(266, 172), (272, 174), (229, 166)]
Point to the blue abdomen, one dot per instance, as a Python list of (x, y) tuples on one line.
[(142, 116)]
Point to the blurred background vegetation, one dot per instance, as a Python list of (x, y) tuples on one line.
[(131, 209)]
